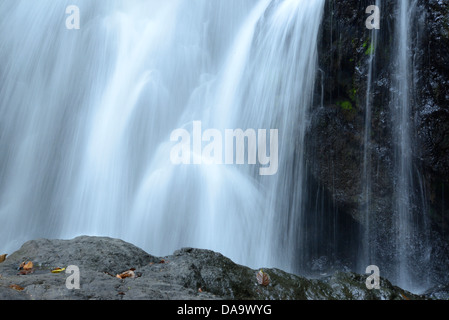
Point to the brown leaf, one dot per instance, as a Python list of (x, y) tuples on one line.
[(3, 257), (126, 274), (16, 287), (263, 278), (200, 290), (28, 266), (25, 272)]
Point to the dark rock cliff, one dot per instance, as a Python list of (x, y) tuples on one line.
[(336, 142)]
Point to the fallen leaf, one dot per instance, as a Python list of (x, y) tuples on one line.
[(127, 274), (200, 290), (57, 270), (16, 287), (28, 266), (404, 296), (25, 272), (3, 257), (162, 261), (263, 278)]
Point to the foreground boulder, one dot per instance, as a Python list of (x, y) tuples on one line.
[(188, 274)]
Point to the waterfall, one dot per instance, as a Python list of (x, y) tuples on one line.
[(87, 116), (411, 222), (368, 249), (404, 143)]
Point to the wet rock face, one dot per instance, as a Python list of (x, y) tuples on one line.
[(188, 274), (433, 119), (336, 141)]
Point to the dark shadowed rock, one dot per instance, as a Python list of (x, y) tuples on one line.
[(188, 274)]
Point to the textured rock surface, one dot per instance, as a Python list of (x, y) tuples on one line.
[(179, 276), (336, 143)]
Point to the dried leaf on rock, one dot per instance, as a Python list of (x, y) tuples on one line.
[(3, 257), (16, 287), (26, 265), (25, 272), (57, 270), (263, 278), (404, 296), (127, 274), (26, 268)]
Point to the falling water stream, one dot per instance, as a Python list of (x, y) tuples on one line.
[(411, 223), (86, 119), (87, 115), (367, 165)]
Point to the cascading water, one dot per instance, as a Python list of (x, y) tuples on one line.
[(367, 165), (87, 116), (411, 222)]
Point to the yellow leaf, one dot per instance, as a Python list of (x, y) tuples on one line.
[(57, 270), (3, 258)]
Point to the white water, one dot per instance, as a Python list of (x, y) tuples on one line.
[(367, 152), (412, 250), (87, 116)]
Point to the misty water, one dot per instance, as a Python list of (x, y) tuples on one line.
[(86, 119)]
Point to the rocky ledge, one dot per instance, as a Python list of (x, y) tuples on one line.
[(188, 274)]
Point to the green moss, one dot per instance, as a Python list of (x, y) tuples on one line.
[(345, 105), (370, 50), (353, 94)]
